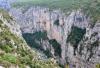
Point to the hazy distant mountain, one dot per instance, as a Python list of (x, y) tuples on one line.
[(5, 4), (65, 31)]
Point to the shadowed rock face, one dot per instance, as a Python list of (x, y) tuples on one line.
[(82, 46), (14, 51)]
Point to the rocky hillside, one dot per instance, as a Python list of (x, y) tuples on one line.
[(72, 39), (14, 51)]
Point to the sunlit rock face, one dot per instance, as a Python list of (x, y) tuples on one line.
[(13, 26), (79, 43)]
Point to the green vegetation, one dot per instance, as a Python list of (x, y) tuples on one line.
[(56, 46), (56, 22), (90, 7), (14, 51), (62, 4), (9, 57), (33, 39), (48, 53), (37, 36), (5, 15), (76, 35), (6, 48), (40, 35), (1, 22), (30, 40), (97, 65), (8, 36)]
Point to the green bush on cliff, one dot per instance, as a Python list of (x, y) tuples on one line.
[(56, 22), (24, 57), (25, 60), (40, 35), (48, 53), (37, 36), (97, 65), (76, 35), (9, 57), (1, 22), (6, 48), (56, 46)]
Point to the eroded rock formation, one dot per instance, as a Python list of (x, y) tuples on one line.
[(67, 38)]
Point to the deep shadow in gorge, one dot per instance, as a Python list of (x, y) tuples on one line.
[(31, 39), (34, 40)]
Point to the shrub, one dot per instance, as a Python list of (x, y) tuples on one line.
[(56, 22), (92, 9), (1, 22), (6, 15), (37, 36), (10, 58), (56, 46), (6, 48), (48, 53), (76, 35), (97, 65), (21, 65), (40, 35), (25, 60)]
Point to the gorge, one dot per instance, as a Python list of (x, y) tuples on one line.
[(70, 37)]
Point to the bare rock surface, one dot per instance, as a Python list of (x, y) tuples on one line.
[(84, 53)]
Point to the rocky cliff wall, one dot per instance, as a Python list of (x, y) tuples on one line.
[(68, 38)]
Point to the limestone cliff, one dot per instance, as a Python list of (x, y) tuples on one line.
[(14, 51), (70, 39)]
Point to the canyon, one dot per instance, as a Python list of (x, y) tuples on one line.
[(69, 38)]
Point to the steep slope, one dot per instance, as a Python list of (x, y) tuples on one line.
[(71, 34), (14, 51), (71, 39)]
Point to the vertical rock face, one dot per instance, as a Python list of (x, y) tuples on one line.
[(14, 51), (69, 39)]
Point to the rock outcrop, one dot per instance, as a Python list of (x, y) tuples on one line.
[(70, 39), (14, 51)]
